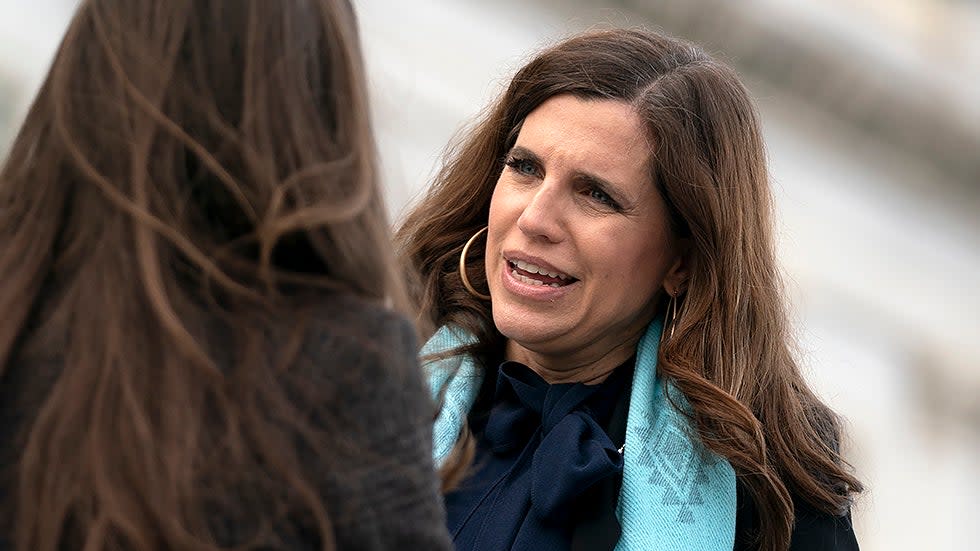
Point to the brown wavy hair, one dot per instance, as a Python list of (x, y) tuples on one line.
[(191, 173), (730, 353)]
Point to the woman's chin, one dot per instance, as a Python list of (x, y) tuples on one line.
[(529, 331)]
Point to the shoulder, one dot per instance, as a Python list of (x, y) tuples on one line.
[(348, 330), (350, 318), (813, 529), (348, 360)]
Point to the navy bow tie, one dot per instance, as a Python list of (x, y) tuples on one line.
[(573, 453)]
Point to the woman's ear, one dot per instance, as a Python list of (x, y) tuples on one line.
[(679, 272)]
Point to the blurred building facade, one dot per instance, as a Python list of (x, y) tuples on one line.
[(873, 128)]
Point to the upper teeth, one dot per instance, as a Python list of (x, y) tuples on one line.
[(531, 268)]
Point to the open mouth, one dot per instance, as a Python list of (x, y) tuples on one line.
[(531, 274)]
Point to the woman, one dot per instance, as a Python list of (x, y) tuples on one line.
[(615, 351), (200, 347)]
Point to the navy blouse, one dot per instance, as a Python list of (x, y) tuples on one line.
[(540, 450)]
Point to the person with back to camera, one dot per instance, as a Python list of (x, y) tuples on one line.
[(597, 257), (203, 344)]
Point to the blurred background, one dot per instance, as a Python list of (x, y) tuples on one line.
[(871, 111)]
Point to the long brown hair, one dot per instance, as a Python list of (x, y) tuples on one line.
[(730, 352), (191, 173)]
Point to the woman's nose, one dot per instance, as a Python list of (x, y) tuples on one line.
[(543, 215)]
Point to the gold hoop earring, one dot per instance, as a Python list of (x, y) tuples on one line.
[(462, 266)]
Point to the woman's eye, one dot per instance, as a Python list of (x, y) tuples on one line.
[(523, 166), (601, 196)]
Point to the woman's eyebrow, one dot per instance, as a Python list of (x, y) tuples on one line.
[(601, 183), (524, 153)]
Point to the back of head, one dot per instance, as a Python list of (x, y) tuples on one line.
[(184, 162), (730, 354)]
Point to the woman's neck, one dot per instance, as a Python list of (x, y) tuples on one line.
[(554, 369)]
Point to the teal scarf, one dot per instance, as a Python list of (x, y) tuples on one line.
[(676, 495)]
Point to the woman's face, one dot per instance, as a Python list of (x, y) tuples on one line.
[(578, 245)]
